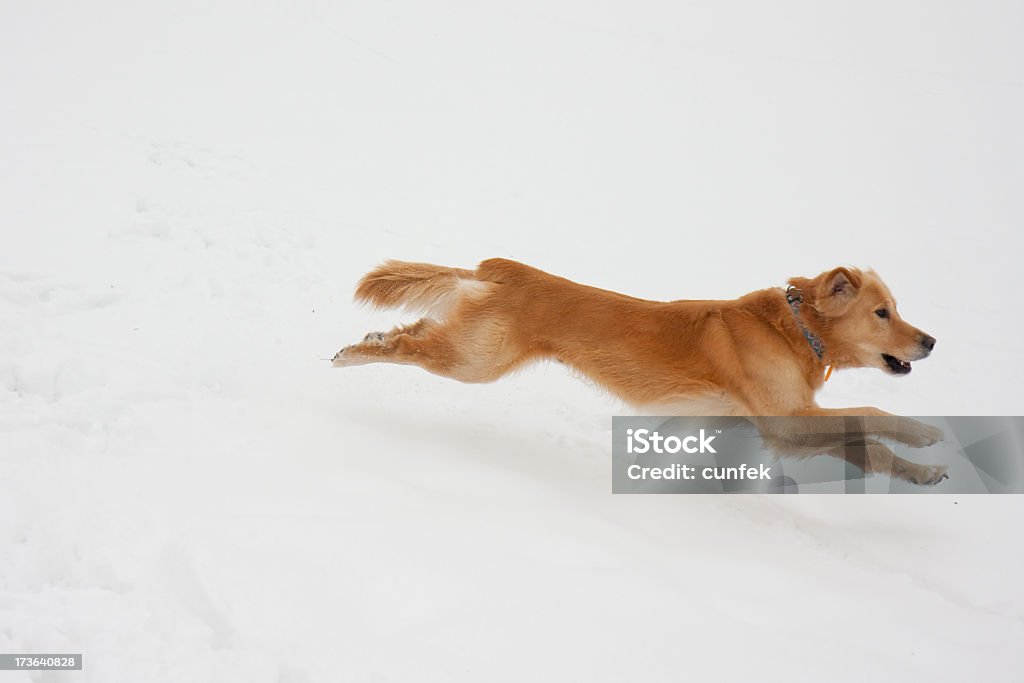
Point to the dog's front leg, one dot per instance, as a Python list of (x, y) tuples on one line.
[(808, 436), (879, 423), (876, 458)]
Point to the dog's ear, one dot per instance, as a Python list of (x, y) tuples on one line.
[(836, 290)]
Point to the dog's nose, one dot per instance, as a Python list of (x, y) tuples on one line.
[(928, 342)]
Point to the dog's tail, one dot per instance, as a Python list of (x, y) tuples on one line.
[(418, 287)]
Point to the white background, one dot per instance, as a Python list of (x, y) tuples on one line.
[(188, 491)]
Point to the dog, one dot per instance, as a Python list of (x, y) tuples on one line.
[(762, 356)]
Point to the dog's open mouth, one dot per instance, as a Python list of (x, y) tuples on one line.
[(896, 366)]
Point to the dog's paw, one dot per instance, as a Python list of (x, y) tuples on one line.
[(923, 475), (373, 346), (919, 434), (339, 358)]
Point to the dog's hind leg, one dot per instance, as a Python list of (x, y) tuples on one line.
[(468, 352), (422, 342)]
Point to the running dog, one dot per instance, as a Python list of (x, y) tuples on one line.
[(762, 356)]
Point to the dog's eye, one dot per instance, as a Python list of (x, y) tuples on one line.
[(882, 313)]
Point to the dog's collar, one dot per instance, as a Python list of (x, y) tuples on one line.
[(795, 297)]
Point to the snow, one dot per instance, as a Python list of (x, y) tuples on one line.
[(188, 193)]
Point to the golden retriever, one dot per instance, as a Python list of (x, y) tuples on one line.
[(762, 356)]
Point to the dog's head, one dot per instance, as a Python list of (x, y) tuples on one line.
[(859, 319)]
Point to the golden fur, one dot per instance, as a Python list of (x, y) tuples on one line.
[(743, 357)]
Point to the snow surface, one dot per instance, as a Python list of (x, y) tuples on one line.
[(188, 491)]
